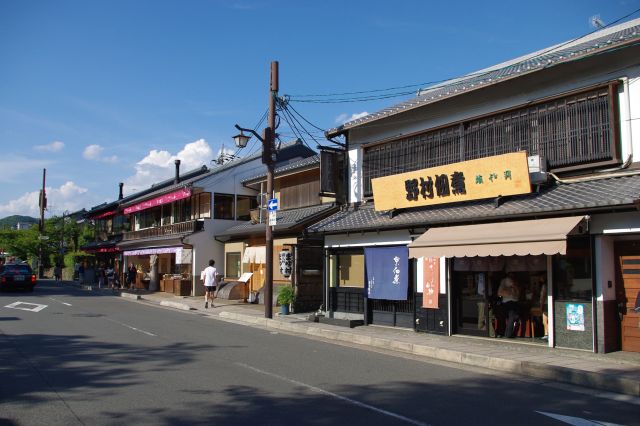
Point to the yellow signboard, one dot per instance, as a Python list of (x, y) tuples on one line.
[(488, 177)]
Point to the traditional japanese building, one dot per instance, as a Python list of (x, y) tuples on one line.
[(174, 227), (524, 173), (297, 256)]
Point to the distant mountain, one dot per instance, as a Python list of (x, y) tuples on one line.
[(10, 222)]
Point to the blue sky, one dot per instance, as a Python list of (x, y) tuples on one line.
[(101, 92)]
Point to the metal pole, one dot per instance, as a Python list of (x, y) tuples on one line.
[(268, 151)]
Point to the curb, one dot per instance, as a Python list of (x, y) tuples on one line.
[(130, 296), (176, 305), (600, 381)]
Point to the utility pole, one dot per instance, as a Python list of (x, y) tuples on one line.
[(268, 157), (43, 205)]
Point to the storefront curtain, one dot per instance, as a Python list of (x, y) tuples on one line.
[(386, 272)]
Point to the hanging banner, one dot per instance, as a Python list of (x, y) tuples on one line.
[(386, 272), (431, 273)]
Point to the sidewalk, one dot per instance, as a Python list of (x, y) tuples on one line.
[(614, 372)]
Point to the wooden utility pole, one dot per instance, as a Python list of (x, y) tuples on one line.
[(43, 205), (268, 158)]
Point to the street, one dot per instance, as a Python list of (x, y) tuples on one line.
[(75, 357)]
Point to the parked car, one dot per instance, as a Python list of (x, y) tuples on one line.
[(17, 276)]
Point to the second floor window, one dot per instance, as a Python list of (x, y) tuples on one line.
[(570, 132), (223, 206)]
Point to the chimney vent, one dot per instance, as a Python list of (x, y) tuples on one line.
[(177, 178), (120, 195)]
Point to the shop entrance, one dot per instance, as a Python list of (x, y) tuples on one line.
[(627, 298), (473, 308)]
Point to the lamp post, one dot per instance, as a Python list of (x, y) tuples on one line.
[(268, 158)]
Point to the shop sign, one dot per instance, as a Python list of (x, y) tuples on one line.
[(184, 256), (158, 201), (431, 281), (489, 177), (575, 317)]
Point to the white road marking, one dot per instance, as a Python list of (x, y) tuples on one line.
[(64, 303), (25, 306), (576, 421), (132, 327), (334, 395)]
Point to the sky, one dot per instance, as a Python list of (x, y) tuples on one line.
[(101, 92)]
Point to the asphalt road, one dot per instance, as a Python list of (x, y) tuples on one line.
[(88, 358)]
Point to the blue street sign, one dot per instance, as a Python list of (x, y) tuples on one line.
[(272, 205)]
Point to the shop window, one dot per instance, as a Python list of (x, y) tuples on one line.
[(166, 214), (223, 206), (148, 218), (347, 270), (204, 205), (181, 211), (121, 224), (233, 265), (572, 273), (244, 205)]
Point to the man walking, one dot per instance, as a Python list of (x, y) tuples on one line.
[(209, 278)]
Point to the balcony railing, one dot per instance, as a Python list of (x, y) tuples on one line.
[(165, 230)]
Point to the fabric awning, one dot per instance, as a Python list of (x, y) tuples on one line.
[(520, 238), (256, 254), (158, 201), (159, 250)]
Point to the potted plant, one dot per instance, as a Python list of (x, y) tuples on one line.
[(285, 298)]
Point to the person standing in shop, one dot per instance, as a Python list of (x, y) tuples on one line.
[(510, 294)]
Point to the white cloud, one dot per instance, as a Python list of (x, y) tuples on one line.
[(68, 196), (94, 152), (344, 117), (159, 165), (54, 146)]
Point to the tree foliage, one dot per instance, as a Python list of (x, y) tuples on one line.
[(61, 236)]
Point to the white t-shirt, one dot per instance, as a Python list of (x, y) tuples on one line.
[(209, 276)]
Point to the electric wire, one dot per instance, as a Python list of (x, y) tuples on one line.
[(371, 97)]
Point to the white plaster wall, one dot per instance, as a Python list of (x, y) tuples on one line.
[(614, 223), (367, 239), (630, 114), (605, 268)]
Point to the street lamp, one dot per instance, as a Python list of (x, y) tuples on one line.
[(269, 160)]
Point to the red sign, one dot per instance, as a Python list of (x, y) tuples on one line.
[(158, 201), (431, 289), (105, 214)]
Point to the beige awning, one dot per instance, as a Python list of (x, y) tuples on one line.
[(254, 254), (520, 238)]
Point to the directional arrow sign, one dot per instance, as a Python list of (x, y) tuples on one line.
[(272, 205)]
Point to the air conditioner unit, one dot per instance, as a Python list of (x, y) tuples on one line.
[(537, 169)]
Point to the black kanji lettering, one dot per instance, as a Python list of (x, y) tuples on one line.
[(442, 185), (457, 183), (411, 185), (426, 187)]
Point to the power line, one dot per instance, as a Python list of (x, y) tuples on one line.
[(370, 93)]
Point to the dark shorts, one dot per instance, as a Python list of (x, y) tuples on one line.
[(210, 288)]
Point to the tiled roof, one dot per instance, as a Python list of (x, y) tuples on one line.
[(595, 43), (305, 163), (584, 196), (287, 219)]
